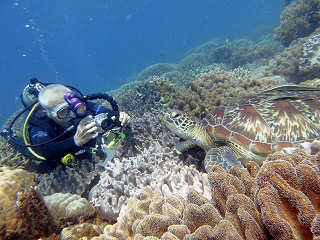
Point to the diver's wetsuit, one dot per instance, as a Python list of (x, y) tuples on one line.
[(43, 129)]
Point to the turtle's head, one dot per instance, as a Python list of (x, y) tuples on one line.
[(180, 124)]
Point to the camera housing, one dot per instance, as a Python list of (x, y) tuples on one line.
[(102, 121)]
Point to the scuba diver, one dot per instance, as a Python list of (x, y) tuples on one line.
[(62, 121)]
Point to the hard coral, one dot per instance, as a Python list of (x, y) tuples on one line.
[(300, 61), (66, 207), (298, 20), (220, 87)]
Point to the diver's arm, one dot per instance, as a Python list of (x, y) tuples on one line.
[(54, 149)]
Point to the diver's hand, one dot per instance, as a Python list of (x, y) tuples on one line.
[(124, 118), (86, 131)]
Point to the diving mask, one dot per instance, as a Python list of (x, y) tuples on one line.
[(63, 112)]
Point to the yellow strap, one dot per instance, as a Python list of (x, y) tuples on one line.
[(25, 138)]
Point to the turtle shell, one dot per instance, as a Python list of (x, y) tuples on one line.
[(269, 121)]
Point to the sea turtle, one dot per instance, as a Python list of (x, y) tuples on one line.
[(277, 118)]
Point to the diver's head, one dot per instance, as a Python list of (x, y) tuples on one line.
[(52, 99)]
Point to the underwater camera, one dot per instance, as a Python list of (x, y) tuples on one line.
[(103, 122)]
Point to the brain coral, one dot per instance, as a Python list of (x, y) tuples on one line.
[(277, 201)]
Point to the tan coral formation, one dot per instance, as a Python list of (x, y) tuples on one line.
[(229, 213), (288, 190), (278, 201), (218, 86), (12, 182)]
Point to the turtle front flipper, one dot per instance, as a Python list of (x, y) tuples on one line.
[(185, 145), (222, 156)]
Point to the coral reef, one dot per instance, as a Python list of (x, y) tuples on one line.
[(141, 132), (155, 70), (138, 97), (157, 167), (277, 201), (76, 179), (310, 60), (66, 206), (31, 219), (192, 216), (233, 53), (80, 231), (11, 157), (12, 182), (220, 87), (288, 188), (298, 20), (300, 61)]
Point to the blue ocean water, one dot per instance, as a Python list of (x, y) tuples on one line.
[(97, 45)]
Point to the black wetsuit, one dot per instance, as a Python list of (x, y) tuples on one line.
[(43, 129)]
